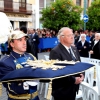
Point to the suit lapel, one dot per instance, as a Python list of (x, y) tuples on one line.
[(95, 44), (81, 43), (75, 53), (65, 52), (85, 43), (33, 35)]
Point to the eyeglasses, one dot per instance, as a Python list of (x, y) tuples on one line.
[(70, 35)]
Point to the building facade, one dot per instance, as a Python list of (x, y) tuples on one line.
[(19, 12), (27, 12), (81, 3)]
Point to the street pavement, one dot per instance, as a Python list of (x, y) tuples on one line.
[(41, 96)]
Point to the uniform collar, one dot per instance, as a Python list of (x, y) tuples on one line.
[(16, 55)]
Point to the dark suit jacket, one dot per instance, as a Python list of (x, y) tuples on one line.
[(96, 50), (35, 42), (30, 46), (64, 88), (84, 51), (92, 38), (76, 38)]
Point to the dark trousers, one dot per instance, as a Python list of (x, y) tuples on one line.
[(72, 97)]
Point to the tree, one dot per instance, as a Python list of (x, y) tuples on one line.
[(62, 13), (94, 16)]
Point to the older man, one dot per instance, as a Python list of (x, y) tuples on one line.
[(17, 90), (95, 47), (65, 88)]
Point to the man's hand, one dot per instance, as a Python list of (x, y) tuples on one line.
[(78, 80), (91, 52), (84, 47)]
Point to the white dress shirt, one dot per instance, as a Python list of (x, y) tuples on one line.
[(67, 48), (82, 43)]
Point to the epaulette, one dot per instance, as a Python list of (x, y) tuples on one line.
[(5, 57), (32, 56)]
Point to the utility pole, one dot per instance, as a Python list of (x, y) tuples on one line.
[(85, 6)]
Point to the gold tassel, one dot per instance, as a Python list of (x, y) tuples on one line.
[(0, 89), (94, 72), (49, 91)]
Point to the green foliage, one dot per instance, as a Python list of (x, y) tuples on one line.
[(94, 16), (62, 13)]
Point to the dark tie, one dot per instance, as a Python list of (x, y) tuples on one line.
[(73, 58)]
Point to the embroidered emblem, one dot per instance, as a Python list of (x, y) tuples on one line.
[(19, 66)]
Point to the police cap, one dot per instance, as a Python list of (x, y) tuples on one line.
[(16, 35)]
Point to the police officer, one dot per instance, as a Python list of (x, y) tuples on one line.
[(17, 59)]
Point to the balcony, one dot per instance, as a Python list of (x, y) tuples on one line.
[(15, 7)]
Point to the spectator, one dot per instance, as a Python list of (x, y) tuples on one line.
[(83, 46), (4, 48), (35, 41), (95, 47), (76, 37), (30, 45), (53, 34)]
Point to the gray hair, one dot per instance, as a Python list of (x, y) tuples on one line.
[(81, 36), (97, 34), (61, 32)]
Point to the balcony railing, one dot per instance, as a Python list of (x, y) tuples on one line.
[(15, 7)]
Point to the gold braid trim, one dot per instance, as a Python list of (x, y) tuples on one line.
[(24, 96), (0, 89), (10, 89), (33, 56)]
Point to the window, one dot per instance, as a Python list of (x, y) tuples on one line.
[(22, 3), (48, 2), (8, 5), (78, 2), (87, 2), (41, 3)]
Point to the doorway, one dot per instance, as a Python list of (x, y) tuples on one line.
[(22, 24)]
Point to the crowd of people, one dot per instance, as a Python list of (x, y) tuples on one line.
[(88, 44), (33, 40), (23, 45)]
